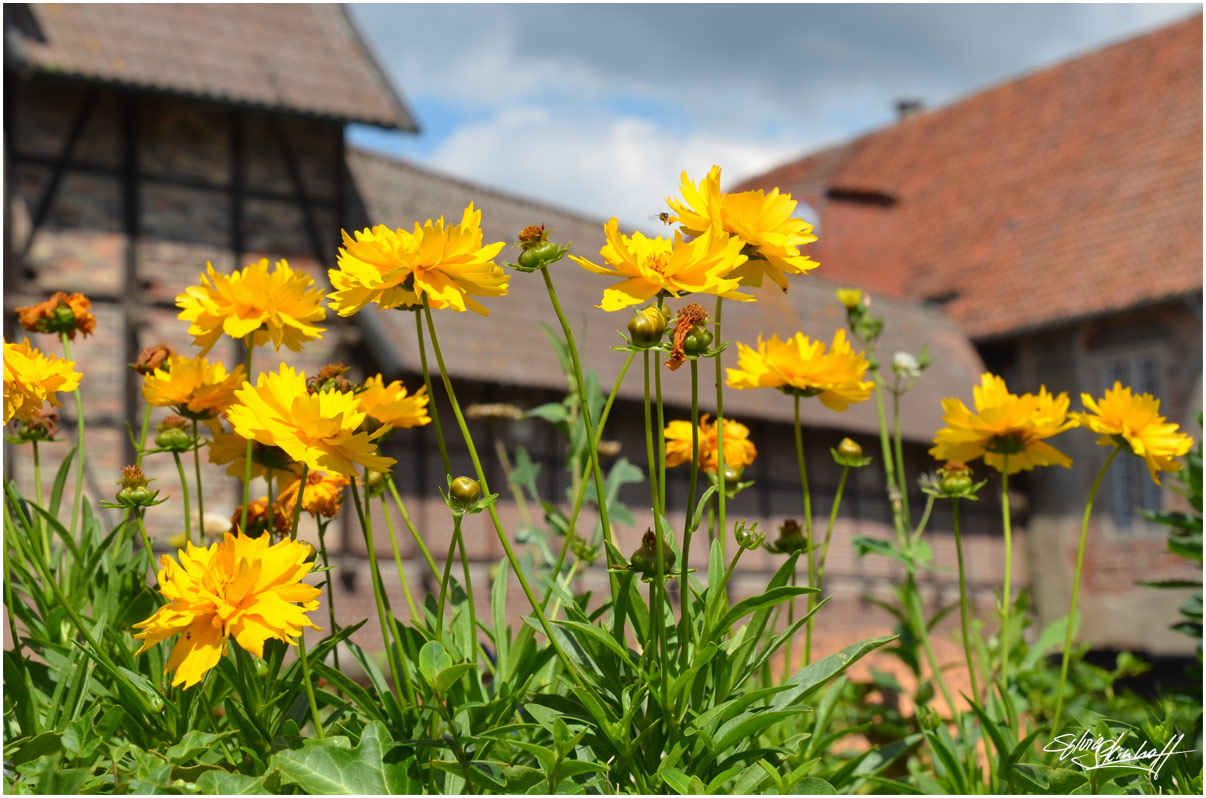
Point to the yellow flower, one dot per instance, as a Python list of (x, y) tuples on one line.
[(193, 386), (653, 265), (445, 264), (281, 307), (850, 298), (260, 521), (1123, 418), (1008, 431), (392, 405), (241, 587), (322, 496), (762, 221), (269, 462), (802, 365), (32, 378), (738, 451), (318, 430)]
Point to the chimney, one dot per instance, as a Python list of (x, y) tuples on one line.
[(907, 107)]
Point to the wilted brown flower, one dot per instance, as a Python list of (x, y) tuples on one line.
[(62, 313), (151, 358)]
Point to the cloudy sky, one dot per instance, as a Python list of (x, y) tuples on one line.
[(598, 108)]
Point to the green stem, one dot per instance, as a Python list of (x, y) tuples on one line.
[(393, 542), (1005, 593), (498, 528), (581, 490), (432, 408), (661, 422), (79, 443), (247, 450), (812, 573), (833, 512), (188, 513), (326, 563), (414, 533), (971, 666), (301, 640), (902, 479), (200, 495), (889, 468), (447, 577), (460, 540), (584, 403), (142, 436), (924, 634), (146, 541), (791, 619), (688, 531), (720, 493), (45, 530), (366, 525), (657, 616), (1080, 561)]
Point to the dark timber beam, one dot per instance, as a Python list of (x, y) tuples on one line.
[(299, 188), (130, 211), (59, 167)]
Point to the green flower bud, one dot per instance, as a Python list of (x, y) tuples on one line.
[(375, 485), (172, 435), (644, 559), (465, 491), (849, 454)]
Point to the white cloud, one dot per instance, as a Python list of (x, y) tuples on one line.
[(596, 164)]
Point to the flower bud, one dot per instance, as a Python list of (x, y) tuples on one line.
[(330, 378), (849, 454), (135, 490), (465, 492), (172, 435), (791, 538), (955, 478), (732, 475), (151, 358), (375, 485), (42, 424), (538, 251), (646, 328), (748, 537), (644, 559), (905, 365)]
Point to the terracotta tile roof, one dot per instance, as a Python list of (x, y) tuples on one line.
[(510, 348), (305, 58), (1068, 193)]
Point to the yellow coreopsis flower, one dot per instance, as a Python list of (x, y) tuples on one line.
[(321, 498), (282, 306), (1008, 431), (653, 265), (801, 365), (738, 450), (32, 379), (1134, 422), (269, 462), (242, 588), (446, 264), (193, 386), (763, 222), (316, 429), (392, 405), (850, 298)]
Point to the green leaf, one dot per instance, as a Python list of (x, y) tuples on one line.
[(44, 744), (191, 744), (811, 785), (60, 479), (553, 412), (676, 780), (1051, 638), (776, 595), (219, 782), (432, 660), (330, 766), (812, 677), (450, 676)]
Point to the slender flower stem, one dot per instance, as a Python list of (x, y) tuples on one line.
[(326, 563), (79, 443), (923, 632), (393, 542), (688, 527), (812, 597), (301, 640), (812, 573), (366, 525), (661, 423), (41, 523), (146, 540), (414, 533), (188, 513), (1080, 562), (432, 408), (971, 665), (657, 610), (791, 619), (584, 403), (1007, 601), (473, 638), (447, 577), (581, 490), (720, 493), (902, 482), (142, 436), (889, 468), (572, 669), (247, 347), (200, 495)]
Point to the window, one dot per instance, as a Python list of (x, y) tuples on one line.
[(1131, 487)]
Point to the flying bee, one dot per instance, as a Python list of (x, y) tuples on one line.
[(662, 217)]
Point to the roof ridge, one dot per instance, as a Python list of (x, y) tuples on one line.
[(468, 184)]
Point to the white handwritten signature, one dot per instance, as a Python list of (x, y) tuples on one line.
[(1091, 753)]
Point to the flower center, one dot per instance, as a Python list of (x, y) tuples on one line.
[(1008, 443), (657, 263)]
